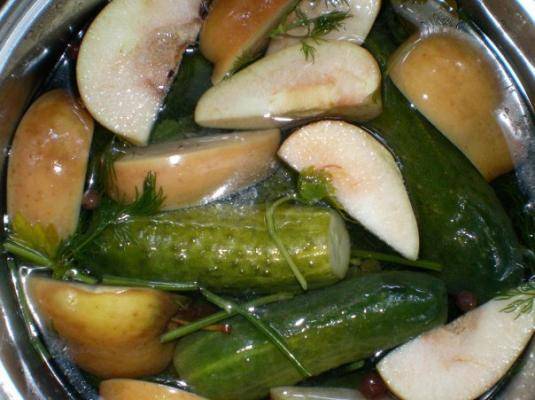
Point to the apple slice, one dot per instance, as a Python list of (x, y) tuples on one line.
[(361, 16), (109, 332), (129, 389), (198, 170), (365, 177), (462, 360), (453, 84), (236, 31), (343, 79), (48, 162), (128, 58), (318, 393)]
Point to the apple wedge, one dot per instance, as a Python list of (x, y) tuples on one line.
[(462, 360), (342, 80), (453, 84), (48, 162), (109, 332), (236, 31), (128, 58), (366, 180), (129, 389), (361, 16), (199, 170)]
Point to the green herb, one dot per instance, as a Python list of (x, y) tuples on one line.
[(246, 58), (272, 230), (159, 285), (372, 255), (314, 28), (315, 185), (220, 316), (41, 246), (268, 331), (524, 302)]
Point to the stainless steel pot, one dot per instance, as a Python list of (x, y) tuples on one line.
[(33, 32)]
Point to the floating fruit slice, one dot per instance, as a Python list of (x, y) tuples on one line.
[(366, 180), (343, 79), (462, 360), (48, 162), (128, 389), (128, 58)]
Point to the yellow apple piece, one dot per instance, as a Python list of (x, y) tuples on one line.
[(365, 177), (355, 28), (109, 331), (128, 59), (461, 360), (452, 83), (48, 162), (342, 80), (236, 30), (198, 170), (129, 389)]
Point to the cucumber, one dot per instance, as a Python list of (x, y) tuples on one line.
[(325, 328), (226, 248), (461, 222)]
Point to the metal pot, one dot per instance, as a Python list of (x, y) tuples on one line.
[(33, 32)]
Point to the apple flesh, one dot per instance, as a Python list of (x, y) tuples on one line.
[(361, 16), (48, 162), (453, 84), (238, 30), (462, 360), (199, 170), (365, 177), (128, 389), (109, 332), (342, 80), (128, 58)]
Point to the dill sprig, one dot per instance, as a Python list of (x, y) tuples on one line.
[(220, 316), (275, 337), (314, 28), (42, 247), (524, 299), (272, 231)]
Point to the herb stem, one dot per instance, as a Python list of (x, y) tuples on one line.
[(266, 329), (27, 253), (159, 285), (424, 264), (272, 230), (220, 316)]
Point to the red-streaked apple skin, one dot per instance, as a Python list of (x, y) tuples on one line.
[(128, 58), (461, 360), (367, 181), (196, 171), (48, 162), (342, 80), (238, 29)]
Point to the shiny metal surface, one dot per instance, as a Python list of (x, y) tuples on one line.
[(31, 34)]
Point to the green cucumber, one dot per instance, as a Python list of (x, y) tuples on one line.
[(461, 222), (226, 248), (325, 328)]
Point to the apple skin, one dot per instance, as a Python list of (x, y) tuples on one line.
[(366, 180), (128, 58), (453, 84), (109, 331), (199, 170), (343, 80), (128, 389), (48, 162), (237, 29)]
